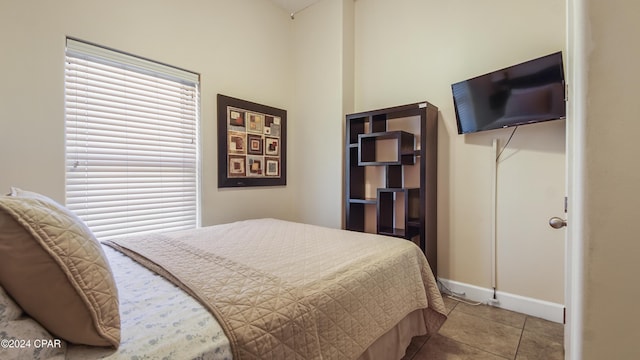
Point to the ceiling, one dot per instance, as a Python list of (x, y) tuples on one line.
[(294, 6)]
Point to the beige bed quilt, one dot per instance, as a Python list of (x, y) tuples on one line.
[(284, 290)]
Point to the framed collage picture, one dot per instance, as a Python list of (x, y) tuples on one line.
[(251, 144)]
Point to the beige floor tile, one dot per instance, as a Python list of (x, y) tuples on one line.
[(449, 303), (439, 347), (545, 327), (415, 345), (481, 333), (493, 313), (536, 346), (487, 333)]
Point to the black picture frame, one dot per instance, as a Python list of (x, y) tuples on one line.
[(241, 126)]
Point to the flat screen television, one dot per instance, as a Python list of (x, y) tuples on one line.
[(526, 93)]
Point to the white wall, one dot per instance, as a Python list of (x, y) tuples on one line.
[(608, 314), (413, 50), (240, 48), (322, 82)]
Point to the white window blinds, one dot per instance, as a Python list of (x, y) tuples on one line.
[(131, 142)]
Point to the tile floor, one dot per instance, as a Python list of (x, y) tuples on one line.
[(487, 333)]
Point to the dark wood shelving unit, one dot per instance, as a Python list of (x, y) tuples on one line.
[(391, 141), (367, 149)]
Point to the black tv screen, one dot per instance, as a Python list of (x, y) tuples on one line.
[(526, 93)]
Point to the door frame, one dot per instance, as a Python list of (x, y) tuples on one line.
[(576, 106)]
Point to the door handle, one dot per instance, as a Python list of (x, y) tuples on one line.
[(557, 223)]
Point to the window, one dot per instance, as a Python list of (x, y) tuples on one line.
[(131, 128)]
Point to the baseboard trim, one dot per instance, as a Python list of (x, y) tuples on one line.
[(522, 304)]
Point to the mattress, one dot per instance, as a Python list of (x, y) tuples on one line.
[(346, 282), (158, 320), (284, 290)]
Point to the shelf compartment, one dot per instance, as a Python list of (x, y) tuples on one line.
[(356, 126), (393, 176), (355, 217), (361, 215), (379, 123), (399, 233), (363, 201), (397, 212), (399, 145), (355, 175)]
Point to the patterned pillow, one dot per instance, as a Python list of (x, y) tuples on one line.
[(24, 338), (54, 268), (9, 310)]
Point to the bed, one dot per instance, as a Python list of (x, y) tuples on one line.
[(254, 289)]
